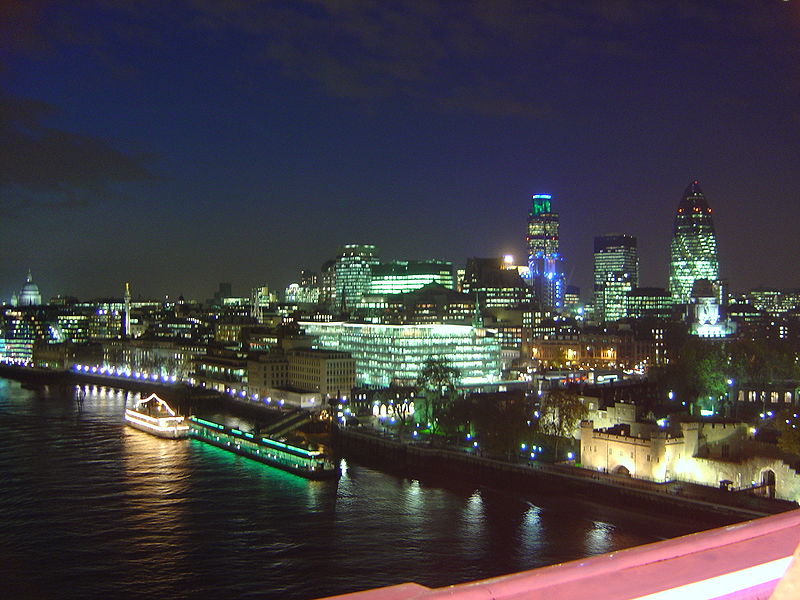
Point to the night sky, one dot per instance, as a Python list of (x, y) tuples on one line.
[(180, 144)]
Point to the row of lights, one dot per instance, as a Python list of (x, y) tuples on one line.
[(22, 362), (124, 372)]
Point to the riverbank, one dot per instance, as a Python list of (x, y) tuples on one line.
[(718, 506), (184, 398), (370, 448)]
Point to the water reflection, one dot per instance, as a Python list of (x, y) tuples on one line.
[(530, 534), (155, 518), (472, 521), (130, 515), (599, 538)]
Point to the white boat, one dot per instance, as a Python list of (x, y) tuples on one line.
[(155, 417)]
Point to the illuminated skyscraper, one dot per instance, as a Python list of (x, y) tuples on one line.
[(353, 274), (693, 251), (401, 276), (544, 260), (616, 272)]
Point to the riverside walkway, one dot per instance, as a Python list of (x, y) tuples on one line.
[(721, 506)]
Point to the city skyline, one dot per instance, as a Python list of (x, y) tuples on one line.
[(188, 145)]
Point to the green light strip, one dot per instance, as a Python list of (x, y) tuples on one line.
[(265, 441), (207, 423)]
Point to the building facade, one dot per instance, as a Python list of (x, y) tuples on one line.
[(649, 302), (693, 251), (395, 354), (544, 260), (616, 272), (709, 453), (493, 285), (401, 276), (352, 274)]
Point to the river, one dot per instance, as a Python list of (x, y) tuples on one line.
[(91, 508)]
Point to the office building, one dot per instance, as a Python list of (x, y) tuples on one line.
[(395, 354), (401, 276), (493, 285), (352, 274), (649, 302), (693, 251), (544, 259), (616, 272)]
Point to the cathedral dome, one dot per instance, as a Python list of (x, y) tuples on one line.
[(29, 294)]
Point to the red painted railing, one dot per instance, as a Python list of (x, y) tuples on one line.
[(742, 561)]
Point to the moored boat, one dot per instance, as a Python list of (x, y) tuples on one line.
[(312, 464), (154, 416)]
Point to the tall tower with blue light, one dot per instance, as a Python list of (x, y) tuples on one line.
[(544, 260)]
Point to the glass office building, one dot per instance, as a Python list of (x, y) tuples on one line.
[(693, 251), (616, 272), (395, 354), (402, 276)]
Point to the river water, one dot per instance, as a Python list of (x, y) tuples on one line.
[(91, 508)]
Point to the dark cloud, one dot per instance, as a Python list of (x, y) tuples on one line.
[(47, 165), (441, 55)]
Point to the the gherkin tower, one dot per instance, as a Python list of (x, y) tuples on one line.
[(693, 251)]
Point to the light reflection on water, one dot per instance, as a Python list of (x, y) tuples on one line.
[(130, 515)]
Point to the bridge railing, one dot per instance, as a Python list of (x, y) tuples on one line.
[(742, 561)]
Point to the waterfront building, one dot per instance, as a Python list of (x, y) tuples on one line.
[(383, 403), (693, 250), (21, 327), (395, 354), (401, 276), (300, 376), (544, 258), (715, 453), (329, 372), (64, 355), (221, 370), (168, 359), (616, 266)]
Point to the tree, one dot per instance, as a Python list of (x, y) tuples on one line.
[(758, 362), (786, 422), (500, 421), (437, 385), (699, 371), (561, 412), (399, 409)]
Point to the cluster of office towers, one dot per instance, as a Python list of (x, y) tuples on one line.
[(693, 257), (357, 272)]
